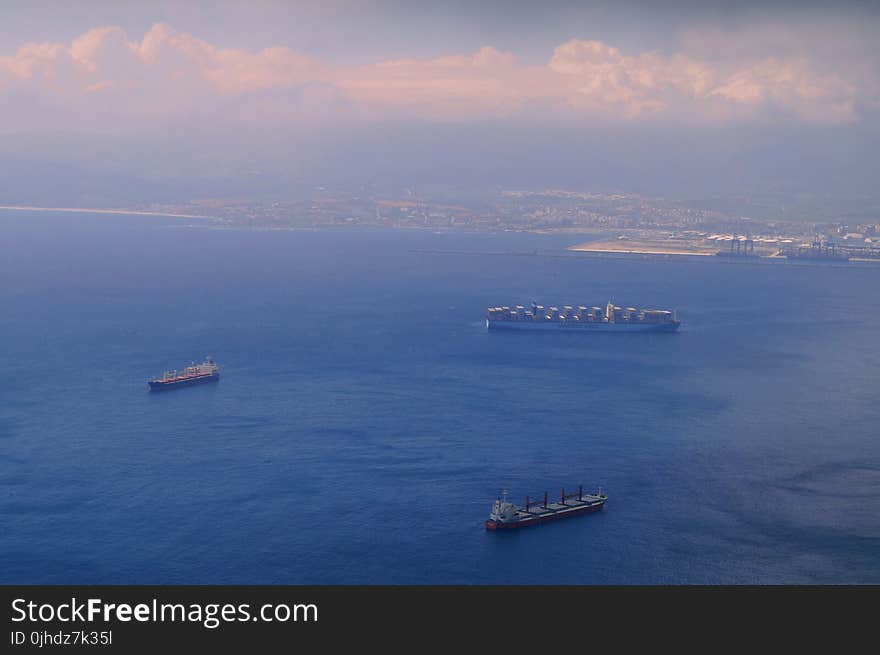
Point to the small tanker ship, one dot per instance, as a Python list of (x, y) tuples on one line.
[(207, 371)]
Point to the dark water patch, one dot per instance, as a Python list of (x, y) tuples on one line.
[(846, 479)]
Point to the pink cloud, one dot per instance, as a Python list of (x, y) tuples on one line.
[(488, 83), (790, 86), (172, 74), (178, 56), (602, 77)]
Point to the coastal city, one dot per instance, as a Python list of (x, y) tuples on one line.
[(609, 222)]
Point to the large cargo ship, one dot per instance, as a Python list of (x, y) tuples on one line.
[(505, 515), (207, 371), (581, 318)]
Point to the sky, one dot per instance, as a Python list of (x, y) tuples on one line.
[(116, 100)]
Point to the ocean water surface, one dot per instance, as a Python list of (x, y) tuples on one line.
[(365, 420)]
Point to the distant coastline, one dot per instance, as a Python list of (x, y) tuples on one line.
[(92, 210), (638, 248)]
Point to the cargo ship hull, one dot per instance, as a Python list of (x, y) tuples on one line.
[(166, 385), (553, 512), (569, 318), (581, 326)]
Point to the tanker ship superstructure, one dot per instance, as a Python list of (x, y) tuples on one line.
[(582, 318)]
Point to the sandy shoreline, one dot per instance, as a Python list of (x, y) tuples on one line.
[(91, 210), (636, 250)]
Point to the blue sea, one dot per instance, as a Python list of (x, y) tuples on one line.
[(365, 420)]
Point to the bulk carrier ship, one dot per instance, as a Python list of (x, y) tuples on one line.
[(581, 318), (505, 515), (207, 371)]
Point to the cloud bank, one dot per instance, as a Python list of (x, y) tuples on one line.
[(103, 78)]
